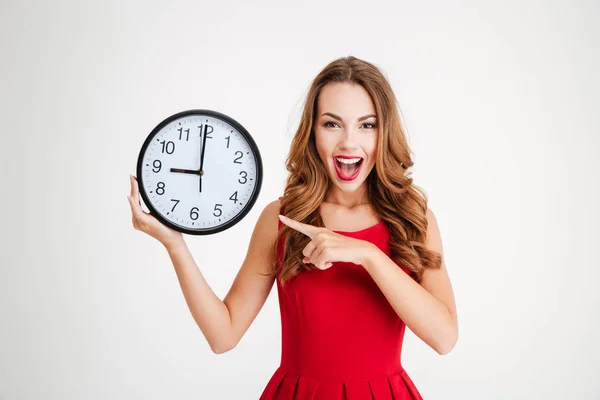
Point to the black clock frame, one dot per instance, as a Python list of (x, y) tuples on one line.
[(253, 195)]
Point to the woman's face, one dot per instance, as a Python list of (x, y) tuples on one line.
[(346, 125)]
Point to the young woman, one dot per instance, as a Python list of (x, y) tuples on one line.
[(354, 250)]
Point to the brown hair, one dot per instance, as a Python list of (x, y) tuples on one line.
[(400, 204)]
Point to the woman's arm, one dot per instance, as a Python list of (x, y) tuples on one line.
[(428, 309), (223, 323)]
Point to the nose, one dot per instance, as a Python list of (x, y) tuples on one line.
[(348, 141)]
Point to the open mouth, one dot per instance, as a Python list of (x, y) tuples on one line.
[(347, 168)]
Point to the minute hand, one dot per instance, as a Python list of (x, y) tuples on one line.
[(202, 156)]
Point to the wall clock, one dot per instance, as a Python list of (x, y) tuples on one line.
[(199, 172)]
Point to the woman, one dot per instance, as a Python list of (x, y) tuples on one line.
[(356, 253)]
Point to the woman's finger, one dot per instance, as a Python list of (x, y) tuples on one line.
[(136, 211), (135, 190), (133, 187), (309, 248), (135, 194), (306, 260), (139, 217), (319, 256)]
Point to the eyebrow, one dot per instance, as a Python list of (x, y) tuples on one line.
[(340, 118)]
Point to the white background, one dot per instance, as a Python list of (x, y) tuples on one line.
[(501, 106)]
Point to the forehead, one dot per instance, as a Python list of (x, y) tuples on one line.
[(348, 100)]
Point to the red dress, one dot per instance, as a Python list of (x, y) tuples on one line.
[(341, 339)]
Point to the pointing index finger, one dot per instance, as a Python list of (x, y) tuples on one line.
[(308, 230)]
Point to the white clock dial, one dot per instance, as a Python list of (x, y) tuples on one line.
[(194, 200)]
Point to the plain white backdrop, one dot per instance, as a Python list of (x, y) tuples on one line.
[(500, 101)]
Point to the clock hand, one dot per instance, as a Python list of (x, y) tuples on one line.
[(202, 156), (186, 171)]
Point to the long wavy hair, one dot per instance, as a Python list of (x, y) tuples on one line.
[(399, 203)]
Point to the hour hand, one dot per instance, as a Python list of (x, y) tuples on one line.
[(187, 171)]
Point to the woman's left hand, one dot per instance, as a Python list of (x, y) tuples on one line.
[(326, 247)]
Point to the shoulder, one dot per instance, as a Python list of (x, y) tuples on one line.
[(272, 209), (268, 221), (430, 216), (434, 240), (264, 235)]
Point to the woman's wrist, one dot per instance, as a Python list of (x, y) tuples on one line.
[(371, 255), (174, 244)]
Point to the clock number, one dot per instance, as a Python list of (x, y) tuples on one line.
[(234, 197), (176, 202), (218, 209), (166, 147), (160, 189), (245, 175), (194, 213), (156, 166), (206, 130), (187, 138), (227, 141), (236, 160)]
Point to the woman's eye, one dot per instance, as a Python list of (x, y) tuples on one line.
[(331, 124)]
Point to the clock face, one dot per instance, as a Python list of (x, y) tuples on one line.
[(199, 172)]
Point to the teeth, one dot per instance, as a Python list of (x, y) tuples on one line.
[(348, 160)]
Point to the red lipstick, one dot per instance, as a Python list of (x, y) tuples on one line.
[(340, 174)]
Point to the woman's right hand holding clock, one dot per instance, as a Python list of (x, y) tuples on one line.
[(146, 222)]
